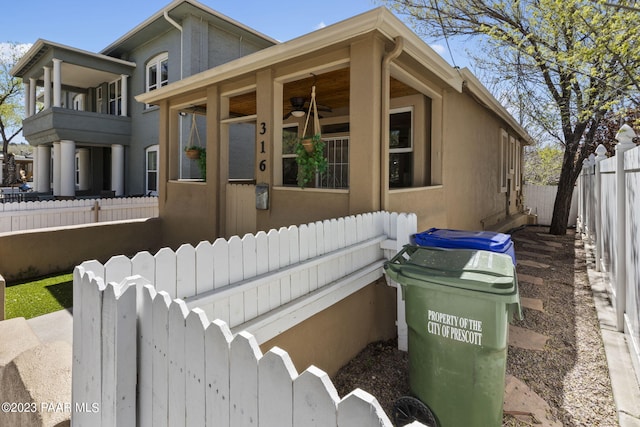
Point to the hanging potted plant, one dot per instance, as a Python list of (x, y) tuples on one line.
[(310, 159), (193, 152)]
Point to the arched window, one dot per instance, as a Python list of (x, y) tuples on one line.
[(157, 72)]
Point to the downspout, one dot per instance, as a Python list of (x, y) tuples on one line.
[(180, 118), (384, 121), (179, 27)]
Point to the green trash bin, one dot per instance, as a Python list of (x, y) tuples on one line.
[(458, 306)]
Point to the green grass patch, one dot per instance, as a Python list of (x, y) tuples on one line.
[(38, 297)]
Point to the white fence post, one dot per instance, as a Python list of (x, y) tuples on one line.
[(625, 142), (601, 154)]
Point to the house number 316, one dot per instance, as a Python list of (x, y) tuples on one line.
[(263, 163)]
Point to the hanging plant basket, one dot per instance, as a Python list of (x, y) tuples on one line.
[(307, 143), (192, 153)]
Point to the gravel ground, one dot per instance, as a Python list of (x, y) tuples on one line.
[(570, 374)]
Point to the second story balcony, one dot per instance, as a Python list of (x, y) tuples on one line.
[(81, 96), (57, 123)]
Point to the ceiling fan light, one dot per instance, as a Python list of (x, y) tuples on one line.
[(298, 113)]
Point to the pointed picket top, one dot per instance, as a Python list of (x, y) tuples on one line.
[(220, 263), (144, 264), (95, 266), (315, 399), (185, 271), (361, 408), (117, 268), (166, 271), (196, 325), (204, 267), (243, 392), (217, 343), (275, 389)]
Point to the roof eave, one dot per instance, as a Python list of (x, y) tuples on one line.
[(168, 8), (485, 97), (380, 19)]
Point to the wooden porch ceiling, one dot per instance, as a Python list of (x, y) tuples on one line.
[(332, 90)]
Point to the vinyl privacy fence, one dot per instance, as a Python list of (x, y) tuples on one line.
[(152, 338), (609, 190), (20, 216)]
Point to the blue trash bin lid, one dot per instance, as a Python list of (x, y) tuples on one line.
[(463, 239)]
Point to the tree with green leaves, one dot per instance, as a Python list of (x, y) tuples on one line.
[(11, 95), (574, 59)]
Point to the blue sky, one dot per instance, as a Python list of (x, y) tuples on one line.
[(93, 25)]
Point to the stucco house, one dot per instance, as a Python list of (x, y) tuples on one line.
[(404, 131), (90, 134)]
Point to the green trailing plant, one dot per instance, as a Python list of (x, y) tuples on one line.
[(310, 159)]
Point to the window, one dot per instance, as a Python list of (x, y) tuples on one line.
[(77, 170), (157, 72), (78, 102), (504, 161), (289, 165), (115, 97), (336, 151), (401, 148), (152, 171), (98, 100)]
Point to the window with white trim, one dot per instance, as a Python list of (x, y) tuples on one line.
[(115, 97), (157, 74), (401, 148), (151, 170)]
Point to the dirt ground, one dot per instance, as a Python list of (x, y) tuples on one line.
[(569, 373)]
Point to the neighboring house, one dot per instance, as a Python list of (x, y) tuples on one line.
[(90, 134), (404, 131)]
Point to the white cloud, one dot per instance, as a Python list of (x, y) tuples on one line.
[(320, 25)]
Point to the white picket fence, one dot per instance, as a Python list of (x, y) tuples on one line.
[(19, 216), (609, 192), (148, 318)]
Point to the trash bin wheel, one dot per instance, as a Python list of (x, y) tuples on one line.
[(408, 409)]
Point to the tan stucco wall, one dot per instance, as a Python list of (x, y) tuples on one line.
[(45, 251), (293, 206), (189, 217), (471, 162), (334, 336)]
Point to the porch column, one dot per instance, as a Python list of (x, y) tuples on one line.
[(42, 174), (67, 168), (84, 176), (117, 169), (57, 82), (56, 168), (47, 87), (124, 95), (32, 96), (364, 111), (27, 99)]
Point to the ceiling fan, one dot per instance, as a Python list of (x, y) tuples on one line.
[(300, 105)]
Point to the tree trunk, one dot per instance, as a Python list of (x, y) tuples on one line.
[(562, 205)]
